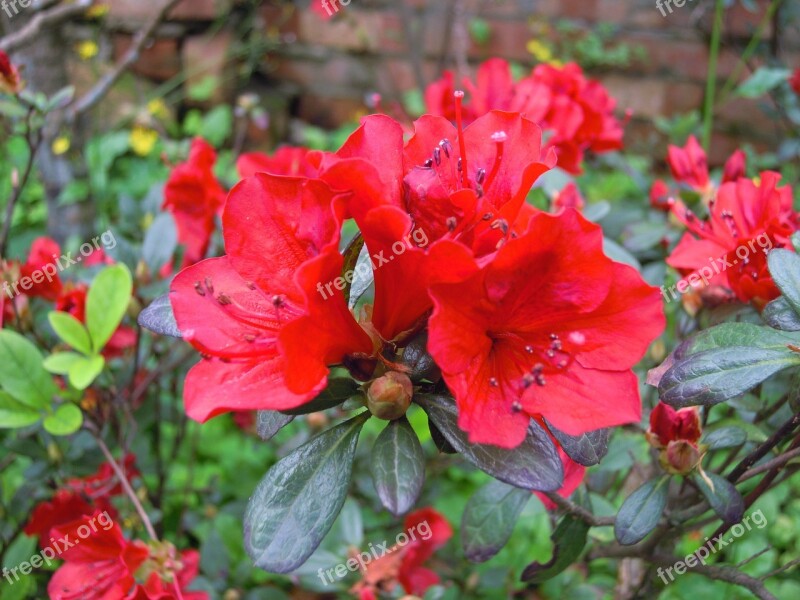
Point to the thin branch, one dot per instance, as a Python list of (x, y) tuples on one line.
[(43, 20), (778, 461), (125, 483), (776, 438), (779, 570), (721, 573), (579, 511), (102, 87)]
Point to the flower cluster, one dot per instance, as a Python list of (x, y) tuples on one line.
[(522, 310), (576, 112), (746, 218), (77, 525)]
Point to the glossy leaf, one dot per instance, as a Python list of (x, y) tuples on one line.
[(784, 266), (489, 518), (14, 414), (159, 318), (339, 389), (270, 422), (725, 437), (298, 500), (398, 467), (569, 539), (723, 497), (780, 315), (533, 465), (587, 449), (641, 511), (65, 420)]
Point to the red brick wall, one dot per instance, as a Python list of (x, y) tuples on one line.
[(328, 68)]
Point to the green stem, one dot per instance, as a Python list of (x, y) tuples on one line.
[(711, 82)]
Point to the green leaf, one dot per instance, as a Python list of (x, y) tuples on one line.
[(21, 371), (85, 370), (61, 98), (270, 422), (61, 362), (160, 242), (780, 315), (533, 465), (725, 437), (726, 501), (299, 498), (398, 466), (569, 539), (587, 449), (764, 80), (729, 335), (106, 303), (71, 331), (641, 511), (489, 518), (784, 266), (713, 376), (159, 318), (339, 389), (14, 414), (66, 420)]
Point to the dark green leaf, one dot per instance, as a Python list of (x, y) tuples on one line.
[(339, 389), (780, 315), (726, 501), (299, 498), (271, 422), (713, 376), (641, 511), (439, 440), (419, 362), (765, 79), (587, 449), (533, 465), (22, 373), (730, 335), (398, 466), (489, 518), (725, 437), (159, 318), (106, 303), (784, 266), (569, 538)]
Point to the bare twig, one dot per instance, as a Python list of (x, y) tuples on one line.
[(778, 461), (102, 87), (43, 20), (786, 567), (776, 438)]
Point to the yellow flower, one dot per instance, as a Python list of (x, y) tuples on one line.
[(157, 108), (97, 11), (87, 49), (60, 145), (143, 140), (540, 51)]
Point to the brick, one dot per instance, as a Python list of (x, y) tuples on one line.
[(200, 10), (683, 96), (645, 97), (161, 60), (208, 56), (330, 112)]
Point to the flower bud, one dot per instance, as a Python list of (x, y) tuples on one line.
[(390, 396), (680, 457)]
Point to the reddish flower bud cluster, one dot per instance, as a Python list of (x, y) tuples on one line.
[(10, 81), (675, 434)]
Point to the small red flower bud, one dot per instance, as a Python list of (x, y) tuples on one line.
[(9, 76), (668, 425), (794, 81), (680, 457), (390, 396)]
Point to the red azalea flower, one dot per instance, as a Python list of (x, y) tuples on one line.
[(98, 257), (660, 197), (577, 111), (104, 483), (282, 238), (65, 506), (404, 564), (689, 165), (549, 328), (100, 566), (10, 81), (573, 477), (569, 197), (794, 81), (669, 425), (730, 247), (194, 197), (288, 160), (39, 266), (735, 167)]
